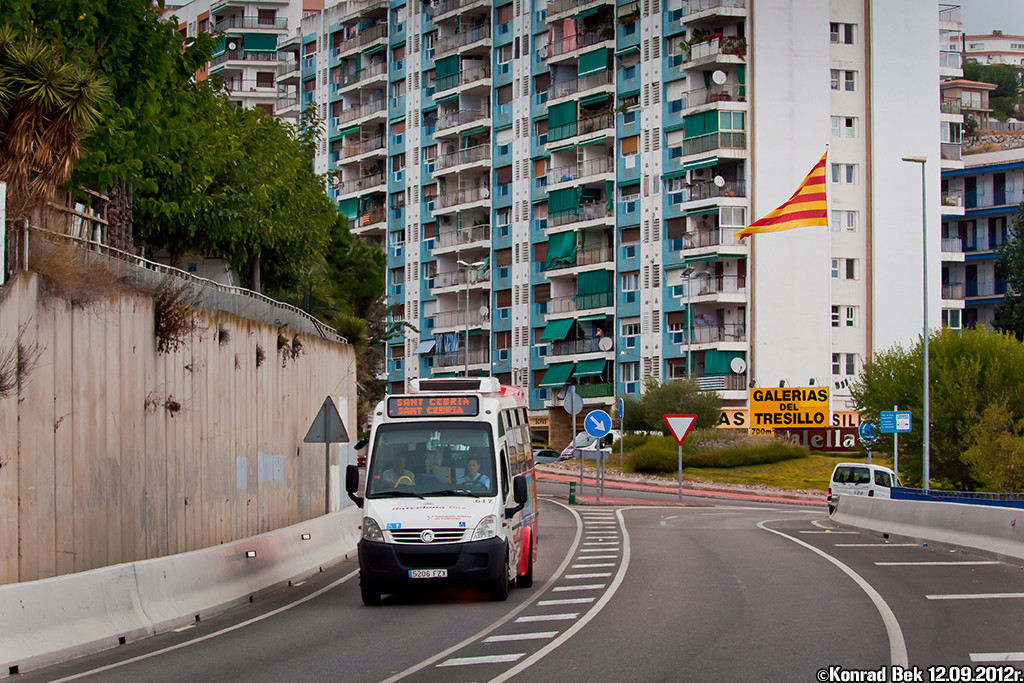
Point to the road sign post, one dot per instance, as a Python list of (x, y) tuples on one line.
[(327, 428), (573, 404), (893, 422), (622, 432), (680, 426), (597, 423), (868, 432)]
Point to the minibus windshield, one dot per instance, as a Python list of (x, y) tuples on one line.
[(432, 459)]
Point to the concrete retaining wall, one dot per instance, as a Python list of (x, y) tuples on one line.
[(992, 529), (54, 619)]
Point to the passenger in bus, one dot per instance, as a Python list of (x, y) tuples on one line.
[(398, 474), (473, 473)]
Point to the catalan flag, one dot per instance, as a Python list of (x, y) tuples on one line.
[(805, 208)]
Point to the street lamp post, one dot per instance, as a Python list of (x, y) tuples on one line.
[(924, 248), (467, 267)]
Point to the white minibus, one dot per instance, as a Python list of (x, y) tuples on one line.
[(450, 495)]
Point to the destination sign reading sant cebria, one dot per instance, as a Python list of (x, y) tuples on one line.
[(788, 407)]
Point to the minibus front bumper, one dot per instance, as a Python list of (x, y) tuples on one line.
[(391, 566)]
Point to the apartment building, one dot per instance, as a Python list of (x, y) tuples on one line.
[(995, 48), (557, 184), (257, 57), (988, 191)]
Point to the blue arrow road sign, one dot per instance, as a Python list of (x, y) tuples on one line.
[(619, 408), (868, 432), (598, 423)]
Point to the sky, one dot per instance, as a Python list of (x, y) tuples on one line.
[(984, 16)]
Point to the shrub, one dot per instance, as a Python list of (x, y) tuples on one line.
[(657, 456), (710, 448), (631, 442)]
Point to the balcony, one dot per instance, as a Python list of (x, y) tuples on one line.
[(244, 55), (469, 155), (570, 304), (358, 112), (726, 48), (560, 6), (706, 190), (578, 42), (710, 333), (952, 291), (454, 319), (583, 169), (443, 46), (463, 236), (285, 101), (287, 68), (587, 257), (580, 214), (571, 87), (376, 33), (569, 348), (448, 6), (953, 198), (459, 118), (698, 6), (276, 24), (726, 92), (476, 74), (370, 217), (719, 140), (364, 147), (463, 196), (950, 106), (598, 390), (952, 245), (717, 237), (360, 184), (454, 360), (950, 151), (986, 288), (364, 74)]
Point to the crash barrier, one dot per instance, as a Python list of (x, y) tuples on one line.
[(55, 619), (1011, 500), (982, 527)]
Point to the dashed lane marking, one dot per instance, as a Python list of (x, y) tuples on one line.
[(997, 656), (566, 601), (599, 565), (829, 531), (567, 616), (596, 575), (976, 596), (510, 637), (969, 563), (580, 587), (487, 659), (877, 545)]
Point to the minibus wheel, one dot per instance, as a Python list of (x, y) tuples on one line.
[(499, 589)]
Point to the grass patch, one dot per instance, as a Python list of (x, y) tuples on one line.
[(710, 448)]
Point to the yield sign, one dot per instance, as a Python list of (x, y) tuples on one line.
[(680, 425), (327, 426)]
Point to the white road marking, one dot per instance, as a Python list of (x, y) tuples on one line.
[(877, 545), (672, 517), (975, 596), (897, 643), (936, 564), (598, 575), (183, 628), (828, 531), (581, 587), (600, 557), (997, 656), (567, 616), (600, 542), (537, 635), (566, 601), (594, 550), (488, 659), (593, 566)]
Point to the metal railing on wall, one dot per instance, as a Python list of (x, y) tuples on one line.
[(21, 239)]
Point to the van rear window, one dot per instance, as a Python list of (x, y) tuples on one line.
[(852, 475)]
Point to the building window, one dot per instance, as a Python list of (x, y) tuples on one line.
[(834, 73), (835, 316), (845, 268), (732, 216), (849, 81), (844, 126), (844, 173), (265, 79), (629, 372), (843, 219), (843, 80), (844, 364), (847, 313), (629, 282), (851, 316), (840, 33), (630, 330), (266, 17), (730, 121), (951, 318)]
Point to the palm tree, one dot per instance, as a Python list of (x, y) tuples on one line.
[(47, 107)]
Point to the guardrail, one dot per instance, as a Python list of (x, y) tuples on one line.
[(1010, 500)]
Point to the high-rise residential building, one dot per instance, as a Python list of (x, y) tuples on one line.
[(988, 192), (995, 48), (557, 184), (257, 55)]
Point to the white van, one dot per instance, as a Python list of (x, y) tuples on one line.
[(859, 479), (450, 497)]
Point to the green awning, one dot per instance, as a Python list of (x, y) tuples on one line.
[(563, 148), (595, 99), (557, 375), (672, 174), (349, 130), (562, 120), (583, 14), (627, 50), (374, 50), (349, 207), (718, 362), (563, 201), (260, 41), (595, 141), (700, 163), (446, 66), (707, 211), (593, 62), (595, 282), (445, 98), (556, 330), (561, 249), (599, 316), (701, 124), (589, 368)]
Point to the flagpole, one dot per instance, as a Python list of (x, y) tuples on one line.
[(828, 273)]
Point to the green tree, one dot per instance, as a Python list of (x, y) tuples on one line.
[(1009, 313), (1007, 80), (673, 397), (47, 107), (968, 371), (997, 454)]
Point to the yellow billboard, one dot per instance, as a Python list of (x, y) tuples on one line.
[(788, 407)]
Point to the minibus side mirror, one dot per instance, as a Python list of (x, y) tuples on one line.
[(352, 484), (520, 494)]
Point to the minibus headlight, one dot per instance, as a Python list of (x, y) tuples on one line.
[(371, 530), (487, 528)]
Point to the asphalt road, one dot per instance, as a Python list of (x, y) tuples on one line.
[(641, 589)]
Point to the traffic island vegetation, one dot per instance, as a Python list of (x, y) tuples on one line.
[(719, 448)]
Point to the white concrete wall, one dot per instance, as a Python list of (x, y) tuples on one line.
[(789, 128)]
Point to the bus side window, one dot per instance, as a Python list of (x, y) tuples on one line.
[(505, 478)]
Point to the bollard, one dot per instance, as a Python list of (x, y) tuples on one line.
[(572, 493)]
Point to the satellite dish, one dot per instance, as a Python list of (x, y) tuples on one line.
[(718, 76), (484, 192), (484, 311), (719, 181), (232, 45), (738, 366), (605, 344), (543, 51)]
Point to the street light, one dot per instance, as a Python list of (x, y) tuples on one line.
[(924, 248), (468, 267)]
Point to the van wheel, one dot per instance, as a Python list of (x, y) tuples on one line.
[(831, 508), (526, 580), (370, 596), (499, 589)]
